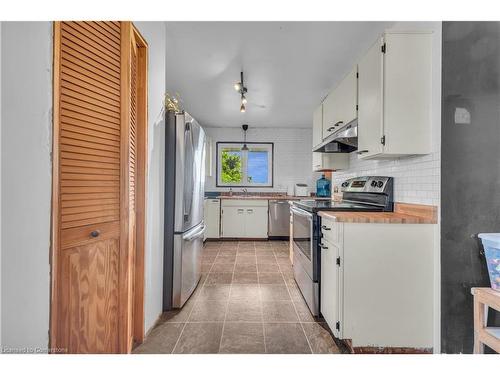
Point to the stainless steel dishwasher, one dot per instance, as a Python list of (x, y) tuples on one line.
[(279, 219)]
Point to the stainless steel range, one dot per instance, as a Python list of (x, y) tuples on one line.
[(373, 193)]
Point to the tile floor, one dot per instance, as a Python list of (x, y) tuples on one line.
[(247, 301)]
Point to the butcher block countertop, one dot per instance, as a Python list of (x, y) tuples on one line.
[(404, 213), (263, 196)]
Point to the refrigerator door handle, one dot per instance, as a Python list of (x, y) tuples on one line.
[(194, 233)]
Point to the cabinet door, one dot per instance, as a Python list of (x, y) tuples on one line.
[(256, 222), (205, 219), (317, 161), (329, 284), (329, 114), (212, 218), (329, 162), (318, 125), (346, 98), (233, 221), (370, 100)]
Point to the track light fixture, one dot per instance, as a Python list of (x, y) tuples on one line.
[(240, 87)]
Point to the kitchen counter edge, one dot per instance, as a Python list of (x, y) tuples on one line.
[(404, 213)]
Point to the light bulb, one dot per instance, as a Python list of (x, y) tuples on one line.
[(244, 99), (237, 86), (242, 108)]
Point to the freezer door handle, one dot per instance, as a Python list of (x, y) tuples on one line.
[(194, 233)]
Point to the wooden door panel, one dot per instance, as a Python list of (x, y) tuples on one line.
[(100, 86), (88, 183), (89, 298)]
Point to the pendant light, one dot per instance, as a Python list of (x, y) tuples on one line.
[(245, 128), (240, 87)]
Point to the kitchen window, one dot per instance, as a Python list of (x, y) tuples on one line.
[(245, 168)]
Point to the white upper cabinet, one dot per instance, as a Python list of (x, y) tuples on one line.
[(324, 161), (346, 95), (370, 102), (339, 107), (394, 96)]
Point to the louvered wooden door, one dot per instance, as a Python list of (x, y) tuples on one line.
[(94, 192), (132, 165)]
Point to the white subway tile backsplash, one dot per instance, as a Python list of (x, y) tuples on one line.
[(416, 178), (292, 154)]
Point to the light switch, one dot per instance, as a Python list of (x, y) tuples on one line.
[(462, 116)]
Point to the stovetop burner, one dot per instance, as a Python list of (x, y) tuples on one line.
[(369, 193), (329, 205)]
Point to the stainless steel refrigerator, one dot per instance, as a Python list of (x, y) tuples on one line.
[(184, 195)]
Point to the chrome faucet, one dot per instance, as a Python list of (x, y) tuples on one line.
[(245, 191)]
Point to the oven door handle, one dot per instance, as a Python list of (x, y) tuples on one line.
[(301, 212)]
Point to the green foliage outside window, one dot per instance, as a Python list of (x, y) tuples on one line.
[(231, 167)]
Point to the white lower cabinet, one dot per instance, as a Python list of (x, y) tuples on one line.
[(244, 218), (377, 283), (212, 218)]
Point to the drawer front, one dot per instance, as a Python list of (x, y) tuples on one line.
[(244, 203), (331, 231)]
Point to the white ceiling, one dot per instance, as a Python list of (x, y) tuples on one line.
[(289, 67)]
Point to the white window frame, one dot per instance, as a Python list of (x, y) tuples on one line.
[(269, 146)]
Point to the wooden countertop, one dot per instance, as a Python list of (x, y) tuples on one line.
[(404, 213)]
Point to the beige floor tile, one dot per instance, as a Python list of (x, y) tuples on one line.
[(208, 311), (245, 278), (246, 292), (268, 267), (219, 278), (199, 338), (214, 292), (243, 338), (271, 278), (252, 267), (244, 311), (270, 292), (161, 339), (285, 338), (279, 311), (320, 338)]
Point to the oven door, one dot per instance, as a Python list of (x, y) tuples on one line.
[(303, 239)]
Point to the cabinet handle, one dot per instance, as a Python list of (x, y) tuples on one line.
[(323, 246), (330, 129), (362, 152), (250, 211), (95, 233), (338, 123), (324, 227), (241, 210)]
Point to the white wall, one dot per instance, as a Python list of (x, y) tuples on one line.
[(26, 182), (155, 35), (292, 153)]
